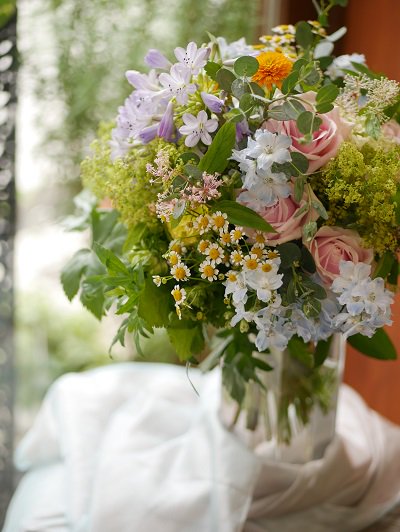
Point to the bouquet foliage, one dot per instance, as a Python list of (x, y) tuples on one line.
[(248, 189)]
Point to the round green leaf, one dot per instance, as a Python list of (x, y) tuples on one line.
[(246, 66), (225, 78)]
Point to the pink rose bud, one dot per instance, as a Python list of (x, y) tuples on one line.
[(331, 245)]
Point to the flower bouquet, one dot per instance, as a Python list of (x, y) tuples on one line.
[(247, 200)]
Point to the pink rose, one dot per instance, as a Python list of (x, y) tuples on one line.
[(283, 218), (330, 245), (326, 141), (391, 130)]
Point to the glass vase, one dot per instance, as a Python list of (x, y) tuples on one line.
[(291, 417)]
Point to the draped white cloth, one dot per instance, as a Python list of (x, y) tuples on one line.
[(131, 447)]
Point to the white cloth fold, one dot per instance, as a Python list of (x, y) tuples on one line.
[(131, 447)]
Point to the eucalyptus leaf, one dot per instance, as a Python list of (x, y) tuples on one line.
[(327, 94), (290, 82), (211, 69), (246, 66), (239, 87), (308, 122), (225, 78), (304, 34)]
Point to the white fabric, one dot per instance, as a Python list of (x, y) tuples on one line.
[(131, 447)]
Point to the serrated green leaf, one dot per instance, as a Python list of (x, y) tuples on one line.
[(186, 338), (379, 346), (225, 78), (154, 304), (243, 216), (92, 297), (113, 264), (211, 69), (246, 66), (217, 155), (102, 224), (73, 271)]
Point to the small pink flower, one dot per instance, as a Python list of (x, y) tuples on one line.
[(331, 245), (326, 141)]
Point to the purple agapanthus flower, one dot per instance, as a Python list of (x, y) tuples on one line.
[(155, 59), (212, 102)]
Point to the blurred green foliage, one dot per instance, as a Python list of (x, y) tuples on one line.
[(96, 41), (7, 10)]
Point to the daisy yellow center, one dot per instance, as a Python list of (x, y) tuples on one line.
[(177, 295), (203, 246), (251, 264), (257, 251), (173, 259), (273, 68), (226, 238), (237, 258), (237, 234), (266, 267), (273, 255), (208, 270), (219, 221), (180, 273), (177, 248), (232, 277), (213, 253), (260, 239), (203, 222)]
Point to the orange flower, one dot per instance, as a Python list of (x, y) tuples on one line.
[(274, 68)]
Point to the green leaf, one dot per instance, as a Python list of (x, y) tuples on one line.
[(307, 261), (103, 223), (311, 307), (359, 67), (186, 338), (233, 382), (289, 110), (216, 158), (299, 161), (240, 87), (396, 201), (298, 350), (299, 188), (246, 66), (247, 102), (393, 276), (73, 271), (211, 69), (113, 264), (235, 116), (289, 253), (256, 89), (327, 94), (240, 215), (92, 296), (304, 35), (320, 209), (290, 82), (324, 107), (384, 266), (308, 122), (311, 76), (325, 61), (189, 156), (318, 291), (379, 346), (192, 170), (154, 304), (373, 126), (322, 351), (342, 3), (225, 78)]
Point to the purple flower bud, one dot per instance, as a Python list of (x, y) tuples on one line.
[(155, 59), (148, 133), (242, 130), (166, 126), (212, 102)]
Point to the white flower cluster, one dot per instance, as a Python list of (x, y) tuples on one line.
[(261, 183), (356, 304), (365, 301)]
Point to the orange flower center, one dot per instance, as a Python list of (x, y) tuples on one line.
[(274, 68)]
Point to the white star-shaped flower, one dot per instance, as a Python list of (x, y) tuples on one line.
[(198, 128)]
